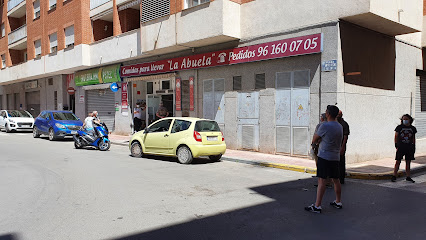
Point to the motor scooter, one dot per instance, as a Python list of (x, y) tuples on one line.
[(99, 139)]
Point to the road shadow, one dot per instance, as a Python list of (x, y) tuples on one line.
[(369, 212), (196, 161), (9, 237)]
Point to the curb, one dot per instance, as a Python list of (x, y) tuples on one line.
[(353, 175), (119, 143)]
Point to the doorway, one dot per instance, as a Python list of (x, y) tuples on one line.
[(153, 104)]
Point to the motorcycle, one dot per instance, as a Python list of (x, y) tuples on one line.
[(99, 139)]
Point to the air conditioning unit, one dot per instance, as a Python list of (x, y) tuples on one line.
[(70, 45), (37, 14), (52, 7), (53, 49)]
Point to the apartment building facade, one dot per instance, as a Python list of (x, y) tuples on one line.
[(264, 70)]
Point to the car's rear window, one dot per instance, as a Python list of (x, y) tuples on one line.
[(64, 116), (206, 126), (16, 113)]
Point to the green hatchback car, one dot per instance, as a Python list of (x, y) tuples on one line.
[(181, 137)]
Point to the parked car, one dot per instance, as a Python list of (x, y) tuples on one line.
[(184, 138), (16, 120), (56, 124)]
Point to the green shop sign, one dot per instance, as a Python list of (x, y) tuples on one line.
[(108, 74)]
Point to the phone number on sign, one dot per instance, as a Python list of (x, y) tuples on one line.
[(284, 48)]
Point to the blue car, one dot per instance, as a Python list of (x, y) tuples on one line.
[(56, 124)]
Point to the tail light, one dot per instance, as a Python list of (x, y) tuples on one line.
[(197, 136), (223, 137)]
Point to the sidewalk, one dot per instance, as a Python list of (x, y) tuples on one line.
[(374, 169)]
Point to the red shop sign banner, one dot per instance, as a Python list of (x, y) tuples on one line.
[(178, 94), (278, 49), (124, 103), (191, 93)]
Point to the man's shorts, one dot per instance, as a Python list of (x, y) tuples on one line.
[(405, 150), (327, 169)]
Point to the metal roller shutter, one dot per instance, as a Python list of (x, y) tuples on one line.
[(33, 102), (102, 100)]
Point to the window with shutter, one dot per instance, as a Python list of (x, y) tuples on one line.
[(153, 9), (69, 36), (193, 3), (36, 6), (237, 83), (37, 46), (260, 81), (53, 38), (52, 4)]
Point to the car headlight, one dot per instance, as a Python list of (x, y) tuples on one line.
[(58, 125), (11, 120)]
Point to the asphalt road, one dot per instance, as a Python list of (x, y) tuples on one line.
[(49, 190)]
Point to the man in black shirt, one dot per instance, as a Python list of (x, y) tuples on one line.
[(346, 132)]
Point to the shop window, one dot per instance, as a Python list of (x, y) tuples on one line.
[(3, 61), (37, 46), (236, 83), (69, 36), (149, 87), (193, 3), (2, 29), (50, 81), (260, 81), (53, 39), (154, 9), (165, 85), (36, 6)]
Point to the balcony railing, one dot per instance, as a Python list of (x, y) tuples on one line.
[(13, 3), (18, 34), (97, 3)]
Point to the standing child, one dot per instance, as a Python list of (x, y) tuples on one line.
[(405, 144)]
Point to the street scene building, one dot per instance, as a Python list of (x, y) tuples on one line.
[(263, 69)]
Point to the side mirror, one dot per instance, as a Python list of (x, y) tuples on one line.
[(146, 131)]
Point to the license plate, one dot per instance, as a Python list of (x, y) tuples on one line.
[(210, 138), (73, 132)]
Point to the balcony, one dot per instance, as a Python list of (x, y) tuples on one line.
[(18, 38), (16, 8), (207, 24), (390, 17)]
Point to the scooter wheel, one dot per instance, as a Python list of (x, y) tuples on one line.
[(104, 146), (77, 145)]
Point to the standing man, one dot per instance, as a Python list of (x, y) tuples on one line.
[(342, 164), (137, 117), (329, 136)]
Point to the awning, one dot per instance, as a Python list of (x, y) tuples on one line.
[(151, 77), (97, 86)]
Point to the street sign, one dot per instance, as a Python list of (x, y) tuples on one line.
[(114, 87), (71, 91)]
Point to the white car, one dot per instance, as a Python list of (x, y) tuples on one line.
[(15, 120)]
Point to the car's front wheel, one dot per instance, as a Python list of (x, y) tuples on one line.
[(184, 155), (35, 133), (215, 157), (51, 135), (136, 150)]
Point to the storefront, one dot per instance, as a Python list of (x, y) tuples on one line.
[(32, 97), (260, 99), (94, 93)]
